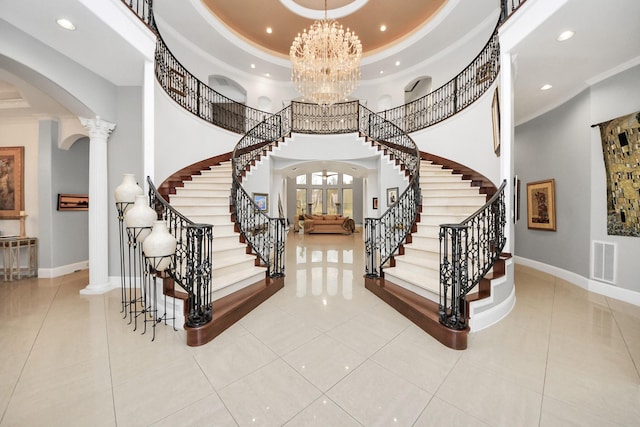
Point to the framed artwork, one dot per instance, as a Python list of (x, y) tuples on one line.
[(495, 119), (516, 199), (541, 205), (11, 182), (392, 195), (375, 203), (73, 202), (261, 200)]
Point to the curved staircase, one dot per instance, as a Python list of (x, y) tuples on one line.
[(205, 199), (447, 198)]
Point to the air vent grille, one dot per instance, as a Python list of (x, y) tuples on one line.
[(604, 261)]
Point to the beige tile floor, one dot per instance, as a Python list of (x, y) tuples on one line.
[(322, 352)]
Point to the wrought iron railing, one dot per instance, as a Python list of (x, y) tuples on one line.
[(265, 235), (452, 97), (201, 100), (467, 252), (144, 10), (508, 7), (192, 266)]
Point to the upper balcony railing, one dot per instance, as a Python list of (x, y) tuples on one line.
[(213, 107)]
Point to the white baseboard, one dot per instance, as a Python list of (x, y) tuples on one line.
[(49, 273), (484, 319), (590, 285)]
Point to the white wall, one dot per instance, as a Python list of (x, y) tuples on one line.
[(466, 138), (183, 139)]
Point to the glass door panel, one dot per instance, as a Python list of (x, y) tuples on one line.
[(332, 201), (301, 201), (347, 202), (316, 201)]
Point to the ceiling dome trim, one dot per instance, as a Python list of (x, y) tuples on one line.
[(319, 14)]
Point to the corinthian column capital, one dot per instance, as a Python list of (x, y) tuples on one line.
[(97, 127)]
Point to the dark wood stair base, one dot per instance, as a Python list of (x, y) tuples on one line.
[(421, 311), (228, 310)]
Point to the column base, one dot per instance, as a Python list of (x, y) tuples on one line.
[(98, 289)]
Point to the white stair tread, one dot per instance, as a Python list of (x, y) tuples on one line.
[(431, 284), (230, 278)]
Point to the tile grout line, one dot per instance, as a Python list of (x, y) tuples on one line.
[(546, 364), (35, 339), (626, 344), (215, 390), (106, 330)]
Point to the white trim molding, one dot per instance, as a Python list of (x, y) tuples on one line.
[(50, 273), (590, 285)]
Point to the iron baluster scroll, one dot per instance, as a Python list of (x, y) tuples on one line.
[(192, 264), (265, 235), (467, 252)]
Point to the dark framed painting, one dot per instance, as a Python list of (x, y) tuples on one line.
[(261, 200), (392, 195), (375, 203), (11, 182), (495, 119), (541, 205), (73, 202)]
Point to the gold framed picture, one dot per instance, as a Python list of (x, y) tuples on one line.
[(392, 195), (11, 182), (541, 205), (495, 119), (261, 200)]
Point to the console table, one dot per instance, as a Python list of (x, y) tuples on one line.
[(12, 253)]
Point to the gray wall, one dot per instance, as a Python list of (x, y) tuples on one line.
[(556, 145), (125, 155), (614, 97), (562, 145), (70, 175), (47, 142)]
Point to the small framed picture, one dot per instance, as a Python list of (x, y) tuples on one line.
[(375, 203), (261, 200), (392, 195), (73, 202), (541, 205)]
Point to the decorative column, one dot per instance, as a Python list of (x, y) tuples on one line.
[(99, 131), (507, 157)]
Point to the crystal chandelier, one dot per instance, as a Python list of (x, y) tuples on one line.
[(325, 61)]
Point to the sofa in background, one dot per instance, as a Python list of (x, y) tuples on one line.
[(335, 224)]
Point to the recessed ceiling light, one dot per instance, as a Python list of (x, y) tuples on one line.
[(267, 74), (269, 30), (66, 24), (397, 63), (566, 35), (381, 71), (253, 65), (546, 87), (383, 27)]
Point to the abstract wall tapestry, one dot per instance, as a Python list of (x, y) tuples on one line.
[(621, 149)]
